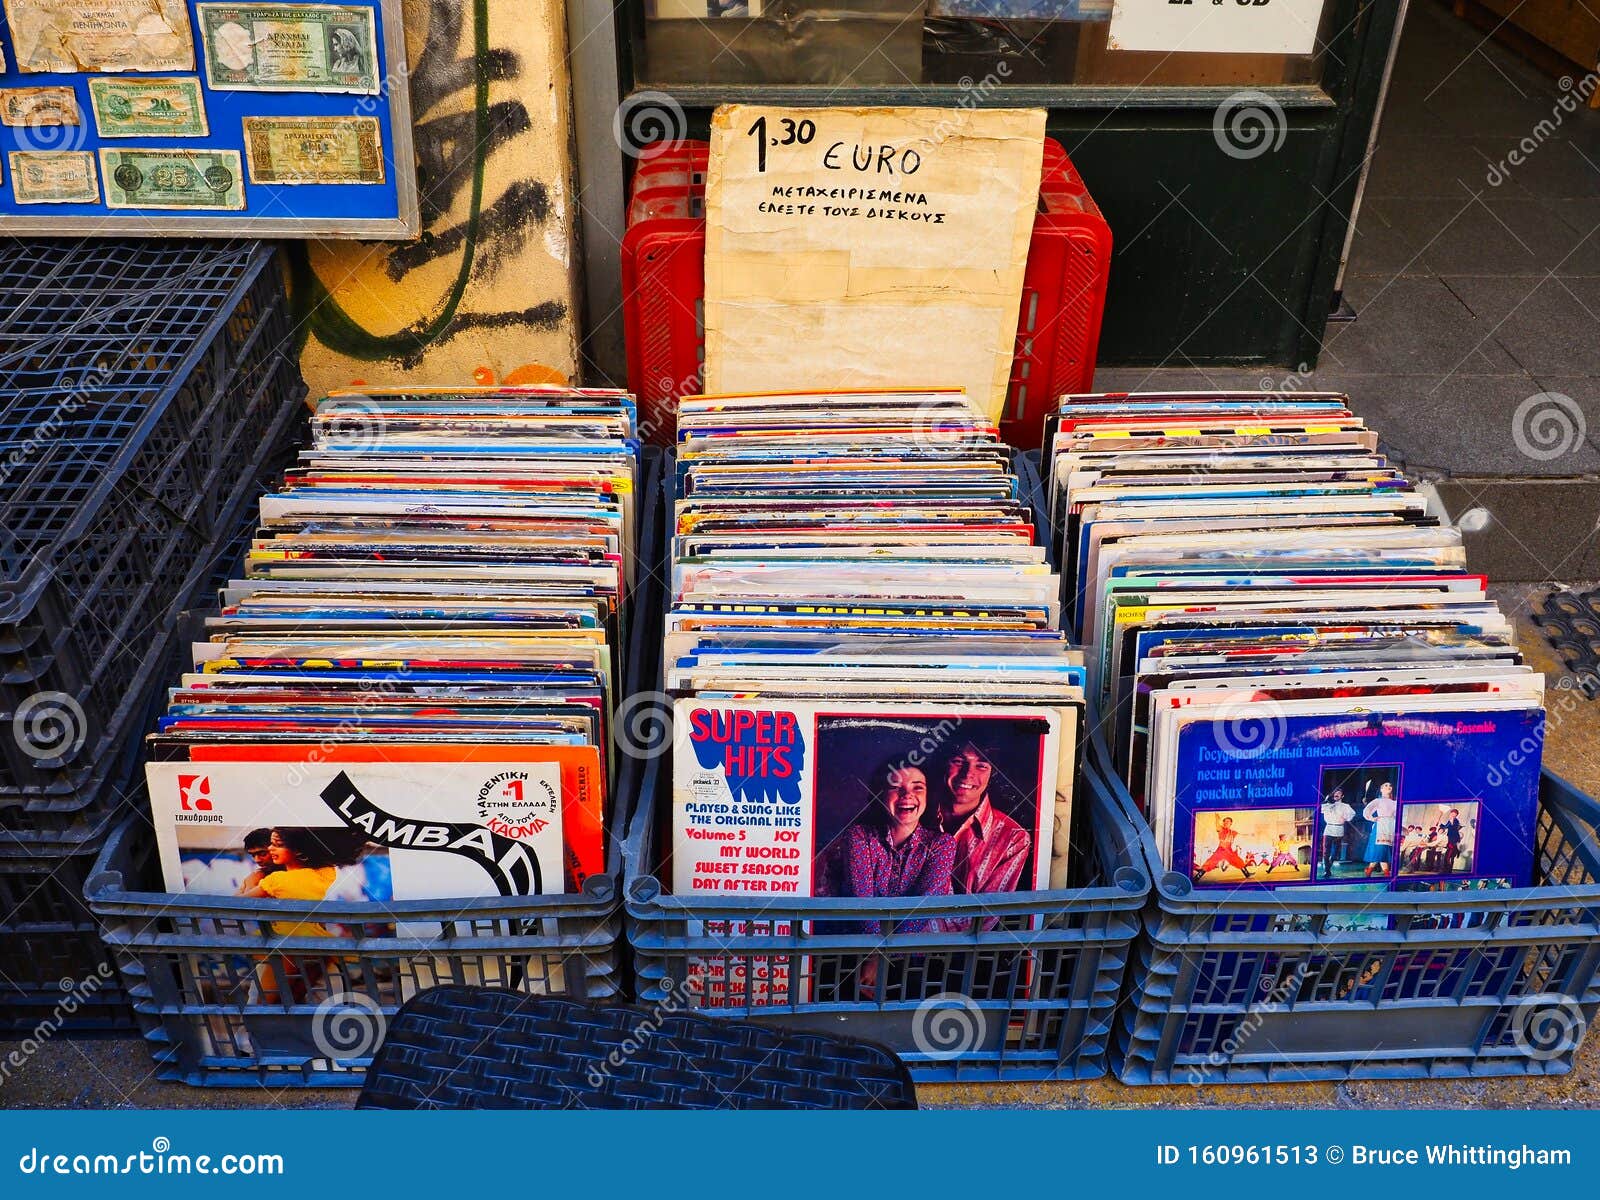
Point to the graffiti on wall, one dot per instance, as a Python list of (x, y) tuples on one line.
[(458, 130)]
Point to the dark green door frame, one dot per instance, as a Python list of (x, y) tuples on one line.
[(1225, 253)]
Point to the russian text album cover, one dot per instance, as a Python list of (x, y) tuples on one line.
[(1426, 800)]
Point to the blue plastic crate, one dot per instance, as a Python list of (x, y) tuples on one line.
[(60, 820), (56, 975), (1295, 985), (477, 1048), (61, 300), (69, 792), (191, 964), (188, 962), (117, 453), (1255, 986), (1031, 998)]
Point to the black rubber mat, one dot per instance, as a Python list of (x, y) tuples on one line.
[(1570, 622), (465, 1047)]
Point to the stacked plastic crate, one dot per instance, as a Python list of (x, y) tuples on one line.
[(663, 288), (147, 392)]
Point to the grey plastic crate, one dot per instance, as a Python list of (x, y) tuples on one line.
[(190, 963), (69, 796), (56, 975), (55, 972), (1255, 986), (1029, 991), (480, 1048), (1030, 996), (192, 967), (135, 390)]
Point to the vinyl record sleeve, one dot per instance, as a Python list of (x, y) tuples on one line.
[(1251, 788), (442, 829), (286, 782), (778, 798)]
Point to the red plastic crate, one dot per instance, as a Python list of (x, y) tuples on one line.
[(671, 200), (684, 167), (663, 288)]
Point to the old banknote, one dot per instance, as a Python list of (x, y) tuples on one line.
[(189, 179), (313, 149), (290, 47), (148, 107), (54, 177), (101, 35), (39, 106)]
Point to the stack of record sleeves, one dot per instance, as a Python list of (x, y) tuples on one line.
[(408, 694), (872, 696), (1303, 684)]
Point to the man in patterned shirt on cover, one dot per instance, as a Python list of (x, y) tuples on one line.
[(991, 848)]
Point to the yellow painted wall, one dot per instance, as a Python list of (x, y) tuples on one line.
[(489, 292)]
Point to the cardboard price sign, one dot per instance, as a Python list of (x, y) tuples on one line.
[(1216, 26), (868, 247)]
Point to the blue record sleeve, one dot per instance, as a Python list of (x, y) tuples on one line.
[(1424, 800), (1023, 10)]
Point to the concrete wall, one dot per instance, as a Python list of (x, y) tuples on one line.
[(489, 292)]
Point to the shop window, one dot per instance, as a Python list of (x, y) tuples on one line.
[(976, 45)]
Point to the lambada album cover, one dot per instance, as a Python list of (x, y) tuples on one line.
[(317, 830)]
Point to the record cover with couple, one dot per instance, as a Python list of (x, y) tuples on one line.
[(873, 803)]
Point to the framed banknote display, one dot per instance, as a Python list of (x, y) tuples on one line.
[(205, 117)]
